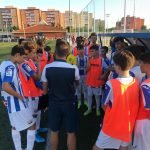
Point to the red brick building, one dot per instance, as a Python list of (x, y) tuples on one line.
[(135, 23), (41, 30)]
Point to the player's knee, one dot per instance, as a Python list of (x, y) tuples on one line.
[(94, 148), (71, 135), (33, 127)]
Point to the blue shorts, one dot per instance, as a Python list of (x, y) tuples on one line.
[(63, 112)]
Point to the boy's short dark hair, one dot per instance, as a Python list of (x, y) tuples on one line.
[(80, 47), (39, 51), (57, 41), (105, 48), (29, 46), (59, 51), (93, 34), (21, 40), (17, 50), (145, 58), (124, 59), (113, 41), (95, 47), (40, 42), (47, 48), (136, 50)]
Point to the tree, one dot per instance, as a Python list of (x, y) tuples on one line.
[(15, 28), (144, 27), (68, 29)]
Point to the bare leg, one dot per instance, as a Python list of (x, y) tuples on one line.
[(71, 141), (97, 148), (54, 140)]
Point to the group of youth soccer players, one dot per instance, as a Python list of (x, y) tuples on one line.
[(120, 85), (21, 88), (125, 97)]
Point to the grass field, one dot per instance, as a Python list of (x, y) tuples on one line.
[(88, 126)]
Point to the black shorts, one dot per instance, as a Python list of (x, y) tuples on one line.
[(63, 112)]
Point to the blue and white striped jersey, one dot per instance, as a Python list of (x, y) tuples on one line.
[(9, 73), (105, 63), (82, 64)]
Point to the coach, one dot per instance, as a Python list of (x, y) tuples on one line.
[(58, 80)]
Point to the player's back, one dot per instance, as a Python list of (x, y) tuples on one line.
[(122, 110)]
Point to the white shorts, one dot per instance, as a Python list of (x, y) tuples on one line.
[(142, 135), (104, 141), (94, 91), (33, 104), (21, 120), (82, 88)]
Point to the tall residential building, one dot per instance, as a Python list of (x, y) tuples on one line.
[(62, 20), (9, 17), (86, 19), (99, 25), (135, 23), (79, 20), (74, 19), (30, 16), (68, 22), (52, 17)]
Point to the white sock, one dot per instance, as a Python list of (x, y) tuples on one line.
[(30, 139), (16, 139), (97, 98)]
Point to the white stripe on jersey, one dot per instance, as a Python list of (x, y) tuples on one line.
[(82, 63), (14, 104)]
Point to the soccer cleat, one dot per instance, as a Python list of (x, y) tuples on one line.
[(42, 130), (89, 111), (98, 112), (39, 139)]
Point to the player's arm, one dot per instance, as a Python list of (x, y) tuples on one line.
[(39, 72), (8, 78), (7, 88), (28, 71), (146, 96), (45, 87), (77, 76), (106, 73), (44, 81), (88, 64), (107, 97)]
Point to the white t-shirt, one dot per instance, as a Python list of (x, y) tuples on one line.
[(137, 73)]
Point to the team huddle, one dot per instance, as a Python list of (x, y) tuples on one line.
[(120, 85)]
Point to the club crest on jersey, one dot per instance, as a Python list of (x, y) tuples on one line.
[(9, 72)]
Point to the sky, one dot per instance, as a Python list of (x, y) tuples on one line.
[(115, 8)]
